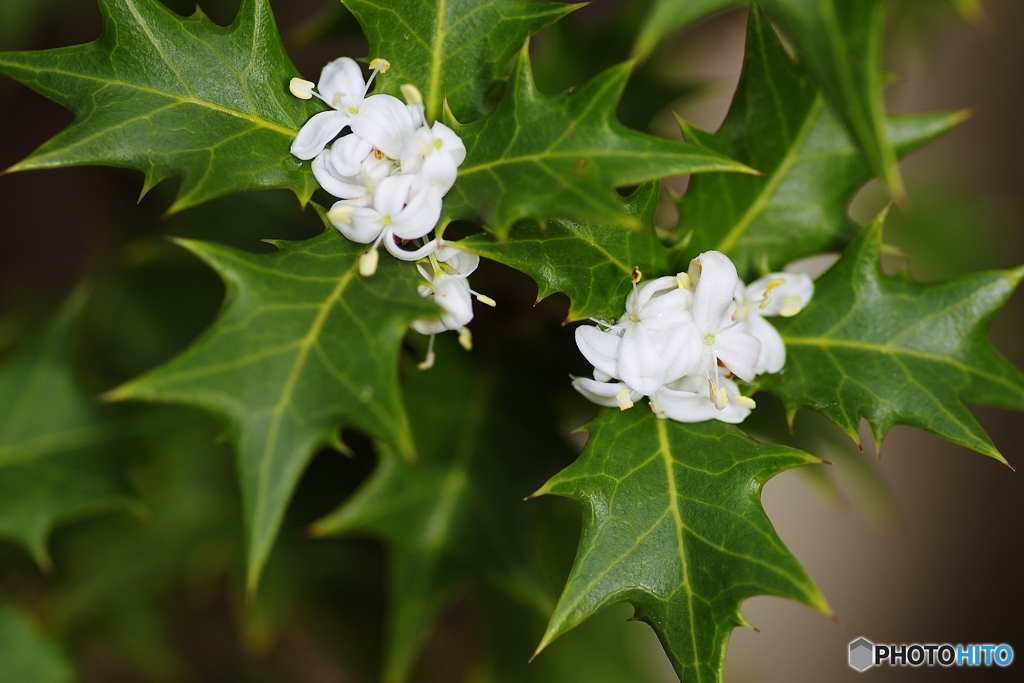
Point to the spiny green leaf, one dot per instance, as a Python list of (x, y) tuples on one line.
[(450, 517), (452, 50), (896, 351), (672, 523), (839, 41), (780, 124), (303, 345), (56, 463), (170, 96), (544, 157), (591, 262), (25, 655)]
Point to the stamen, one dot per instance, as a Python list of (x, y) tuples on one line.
[(741, 314), (655, 408), (790, 306), (684, 281), (368, 261), (745, 402), (341, 213), (636, 275), (466, 338), (301, 88), (768, 291), (378, 65), (428, 362), (411, 93), (721, 399), (622, 398), (484, 299), (378, 155)]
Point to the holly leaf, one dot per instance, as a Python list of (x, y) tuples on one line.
[(56, 443), (895, 351), (780, 124), (452, 50), (839, 41), (672, 523), (449, 518), (27, 656), (174, 96), (544, 157), (590, 261), (303, 345)]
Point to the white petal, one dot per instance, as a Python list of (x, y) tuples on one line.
[(403, 254), (365, 226), (453, 295), (668, 310), (600, 348), (640, 365), (769, 293), (681, 350), (687, 400), (385, 123), (715, 289), (348, 155), (438, 170), (392, 194), (317, 133), (429, 325), (463, 262), (603, 393), (341, 83), (773, 349), (417, 113), (739, 352), (419, 216), (340, 187), (451, 143)]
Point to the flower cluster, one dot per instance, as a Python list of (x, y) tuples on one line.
[(390, 172), (684, 338)]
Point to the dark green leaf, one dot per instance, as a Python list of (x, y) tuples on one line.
[(780, 125), (672, 523), (25, 655), (839, 41), (303, 345), (451, 50), (544, 157), (895, 351), (451, 516), (56, 460), (170, 96), (591, 262)]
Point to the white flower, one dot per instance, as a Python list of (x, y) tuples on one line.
[(782, 294), (722, 343), (434, 154), (608, 394), (653, 343), (342, 88), (687, 400), (351, 168)]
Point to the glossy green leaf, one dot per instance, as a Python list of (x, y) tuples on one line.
[(780, 124), (56, 459), (450, 517), (452, 50), (175, 96), (895, 351), (544, 157), (590, 261), (839, 41), (303, 345), (25, 655), (672, 523)]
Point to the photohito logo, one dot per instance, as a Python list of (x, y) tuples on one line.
[(864, 654)]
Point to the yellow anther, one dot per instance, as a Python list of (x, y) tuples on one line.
[(380, 64), (622, 398), (721, 399), (368, 263), (655, 408), (466, 339), (486, 300), (341, 213), (768, 291), (411, 93), (301, 88), (790, 306), (741, 314), (377, 154), (684, 281), (745, 402)]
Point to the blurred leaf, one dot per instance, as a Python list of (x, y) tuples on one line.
[(894, 351), (303, 345), (452, 50), (450, 517), (672, 523), (839, 41), (27, 657), (590, 261), (170, 96), (780, 125), (544, 157), (56, 459)]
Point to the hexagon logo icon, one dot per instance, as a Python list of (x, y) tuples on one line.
[(862, 654)]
